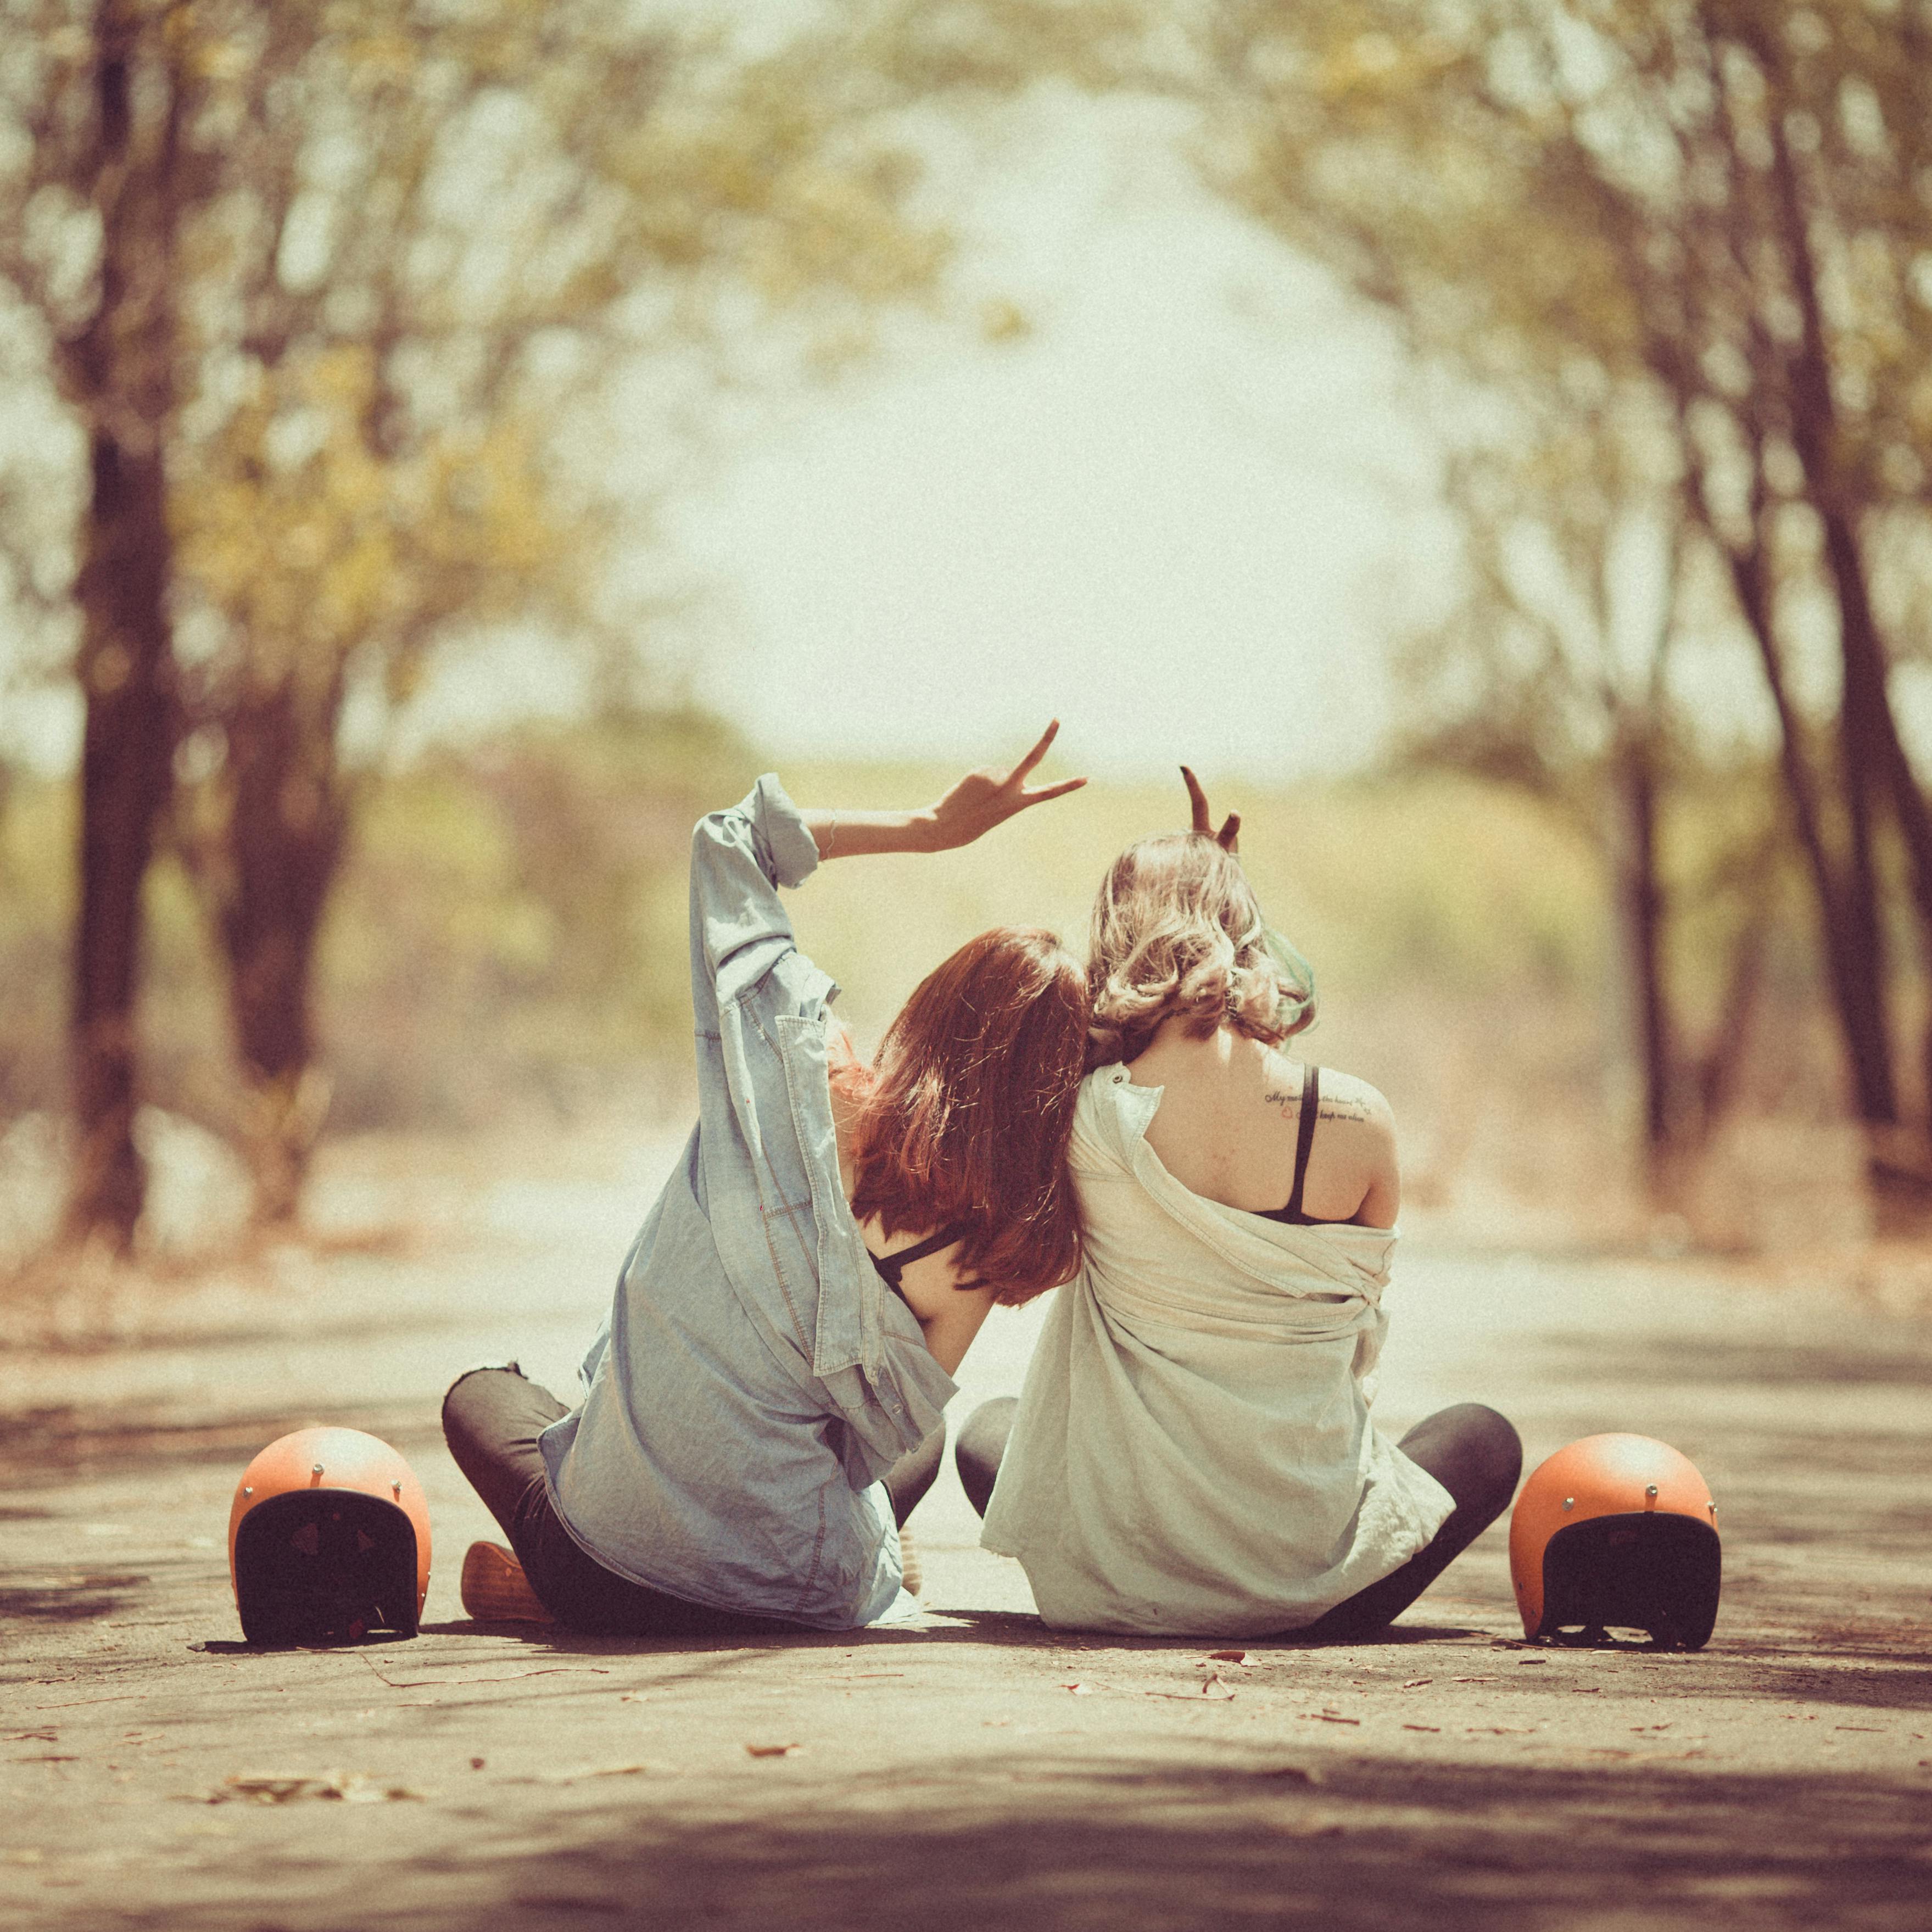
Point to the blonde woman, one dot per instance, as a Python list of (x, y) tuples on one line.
[(1192, 1453)]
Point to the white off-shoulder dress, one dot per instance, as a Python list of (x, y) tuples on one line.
[(1192, 1454)]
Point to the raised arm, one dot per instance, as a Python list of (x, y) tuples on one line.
[(740, 857), (981, 800)]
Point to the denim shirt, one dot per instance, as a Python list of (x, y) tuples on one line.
[(756, 1377)]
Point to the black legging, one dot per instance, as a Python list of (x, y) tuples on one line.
[(491, 1420), (1471, 1451)]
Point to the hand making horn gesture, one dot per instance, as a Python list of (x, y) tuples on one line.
[(982, 799), (1229, 837)]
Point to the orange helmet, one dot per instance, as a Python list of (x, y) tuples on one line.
[(328, 1539), (1617, 1529)]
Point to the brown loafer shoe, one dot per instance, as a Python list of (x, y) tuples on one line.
[(495, 1591)]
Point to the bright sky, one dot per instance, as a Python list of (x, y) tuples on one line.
[(1185, 514)]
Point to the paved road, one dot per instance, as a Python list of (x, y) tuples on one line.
[(974, 1769)]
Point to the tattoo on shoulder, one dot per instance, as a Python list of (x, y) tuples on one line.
[(1332, 1108)]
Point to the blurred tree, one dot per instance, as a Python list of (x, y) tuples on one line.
[(97, 172), (1722, 201), (443, 229), (424, 241), (1551, 674)]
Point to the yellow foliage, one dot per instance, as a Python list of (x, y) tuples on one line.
[(311, 559)]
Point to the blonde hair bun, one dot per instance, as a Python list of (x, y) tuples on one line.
[(1179, 934)]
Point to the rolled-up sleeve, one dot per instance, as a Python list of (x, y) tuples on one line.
[(739, 929)]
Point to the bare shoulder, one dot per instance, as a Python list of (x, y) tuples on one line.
[(1352, 1172), (1358, 1132), (1345, 1098)]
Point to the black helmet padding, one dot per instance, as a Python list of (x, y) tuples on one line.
[(325, 1566), (1651, 1571)]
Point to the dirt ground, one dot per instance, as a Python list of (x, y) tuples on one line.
[(974, 1768)]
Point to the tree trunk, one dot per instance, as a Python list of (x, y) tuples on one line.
[(285, 837), (1640, 901), (1859, 991), (1860, 907), (1873, 756), (1718, 1066), (120, 371)]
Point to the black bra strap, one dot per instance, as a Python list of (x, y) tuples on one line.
[(891, 1267), (1304, 1135)]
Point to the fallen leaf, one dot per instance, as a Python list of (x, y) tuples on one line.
[(773, 1751), (1329, 1717), (1472, 1680), (1499, 1730), (1417, 1683), (1422, 1727), (43, 1737), (1586, 1690), (1229, 1656), (1532, 1660), (1293, 1774), (1879, 1728), (475, 1764), (1079, 1690)]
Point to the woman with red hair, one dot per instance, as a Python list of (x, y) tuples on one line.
[(763, 1407)]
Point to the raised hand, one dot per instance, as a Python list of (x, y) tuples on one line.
[(982, 799), (1229, 837)]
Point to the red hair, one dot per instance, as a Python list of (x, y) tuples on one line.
[(966, 1111)]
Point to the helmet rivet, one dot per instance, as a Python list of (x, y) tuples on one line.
[(397, 1487), (1569, 1502), (1650, 1489), (248, 1489)]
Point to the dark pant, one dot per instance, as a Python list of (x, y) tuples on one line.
[(1471, 1451), (491, 1420)]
